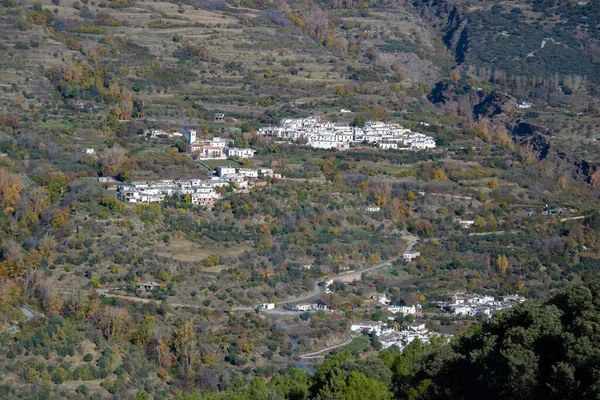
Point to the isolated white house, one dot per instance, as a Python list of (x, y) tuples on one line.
[(382, 299), (411, 256), (469, 223)]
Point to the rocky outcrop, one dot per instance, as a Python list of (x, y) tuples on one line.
[(552, 158), (526, 129), (497, 107), (457, 40)]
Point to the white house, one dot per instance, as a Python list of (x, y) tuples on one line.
[(417, 328), (390, 337), (147, 286), (303, 307), (388, 145), (411, 256), (241, 153), (464, 310), (217, 142), (525, 104), (105, 179), (466, 223), (381, 299), (267, 306), (222, 171), (204, 199), (248, 172), (404, 310), (369, 326)]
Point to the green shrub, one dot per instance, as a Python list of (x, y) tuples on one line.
[(21, 46), (82, 388), (22, 25)]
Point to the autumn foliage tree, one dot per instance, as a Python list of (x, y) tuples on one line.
[(10, 189)]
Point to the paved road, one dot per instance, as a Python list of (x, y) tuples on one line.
[(572, 218), (355, 274), (315, 292), (15, 328), (176, 305), (452, 195), (314, 354)]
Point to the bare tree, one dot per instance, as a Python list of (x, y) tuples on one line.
[(12, 250), (6, 290), (49, 298), (110, 321), (111, 157)]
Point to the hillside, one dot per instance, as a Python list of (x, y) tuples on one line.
[(201, 199)]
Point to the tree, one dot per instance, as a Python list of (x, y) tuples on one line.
[(378, 113), (359, 121), (10, 189), (110, 321), (356, 386), (143, 334), (186, 347), (501, 264), (374, 258), (111, 158), (425, 390)]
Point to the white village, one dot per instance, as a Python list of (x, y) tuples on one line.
[(328, 135), (460, 305)]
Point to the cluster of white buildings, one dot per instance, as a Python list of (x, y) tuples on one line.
[(474, 304), (389, 337), (404, 310), (327, 135), (159, 133), (201, 192), (231, 172), (215, 149)]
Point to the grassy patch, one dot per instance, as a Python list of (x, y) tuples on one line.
[(358, 344)]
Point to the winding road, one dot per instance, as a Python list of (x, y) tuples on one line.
[(15, 328), (314, 354), (345, 276), (315, 291)]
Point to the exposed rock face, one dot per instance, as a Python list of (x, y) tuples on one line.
[(497, 107), (443, 92), (527, 129), (560, 163)]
